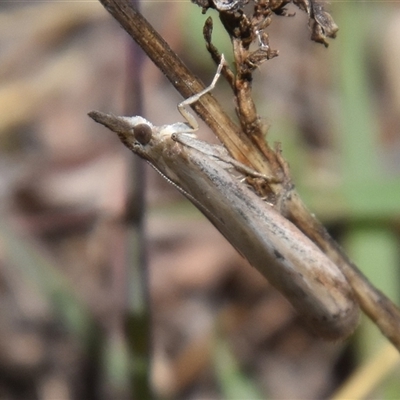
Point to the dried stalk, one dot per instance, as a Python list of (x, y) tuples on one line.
[(247, 144)]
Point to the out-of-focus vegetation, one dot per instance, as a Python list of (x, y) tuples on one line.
[(218, 330)]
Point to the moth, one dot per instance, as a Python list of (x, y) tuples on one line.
[(272, 244)]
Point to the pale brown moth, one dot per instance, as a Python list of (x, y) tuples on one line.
[(273, 245)]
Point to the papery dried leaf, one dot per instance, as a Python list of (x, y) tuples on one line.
[(325, 21), (229, 5), (321, 22)]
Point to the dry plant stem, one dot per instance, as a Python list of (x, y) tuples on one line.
[(185, 82), (247, 113), (136, 315), (375, 304)]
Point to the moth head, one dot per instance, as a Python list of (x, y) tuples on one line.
[(135, 132)]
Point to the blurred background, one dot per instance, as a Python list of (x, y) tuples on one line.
[(102, 297)]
